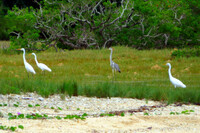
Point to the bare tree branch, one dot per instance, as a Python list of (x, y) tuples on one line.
[(178, 19), (106, 42), (95, 8), (166, 39), (18, 34)]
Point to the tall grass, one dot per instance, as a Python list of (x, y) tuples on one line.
[(88, 73)]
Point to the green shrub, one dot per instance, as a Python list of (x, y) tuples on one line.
[(195, 52)]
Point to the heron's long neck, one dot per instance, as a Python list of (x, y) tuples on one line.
[(111, 56), (36, 59), (24, 56), (169, 71)]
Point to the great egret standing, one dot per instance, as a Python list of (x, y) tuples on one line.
[(28, 67), (113, 65), (42, 66), (174, 81)]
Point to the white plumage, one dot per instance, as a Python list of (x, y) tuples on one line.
[(174, 81), (42, 66), (28, 67)]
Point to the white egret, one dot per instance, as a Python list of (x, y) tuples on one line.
[(42, 66), (174, 81), (28, 67), (113, 65)]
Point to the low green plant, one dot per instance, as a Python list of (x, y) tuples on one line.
[(45, 116), (60, 108), (186, 112), (122, 114), (145, 113), (105, 114), (37, 116), (1, 105), (58, 117), (20, 126), (37, 105), (29, 105), (174, 113), (16, 105), (82, 117), (11, 128), (21, 116), (11, 116), (28, 116)]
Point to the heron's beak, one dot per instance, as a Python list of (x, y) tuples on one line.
[(18, 49), (29, 54)]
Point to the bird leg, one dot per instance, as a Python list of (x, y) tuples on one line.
[(113, 72)]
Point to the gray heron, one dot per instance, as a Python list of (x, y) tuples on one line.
[(113, 65)]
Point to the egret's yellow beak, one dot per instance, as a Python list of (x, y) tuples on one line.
[(29, 54), (18, 49)]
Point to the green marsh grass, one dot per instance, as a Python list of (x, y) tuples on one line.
[(88, 73)]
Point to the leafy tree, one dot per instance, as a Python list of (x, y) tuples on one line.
[(102, 23), (78, 24)]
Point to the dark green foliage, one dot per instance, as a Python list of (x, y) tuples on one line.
[(149, 24), (194, 52)]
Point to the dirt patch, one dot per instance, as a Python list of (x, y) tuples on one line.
[(182, 124), (156, 67)]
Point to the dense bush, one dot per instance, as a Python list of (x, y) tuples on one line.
[(195, 52), (4, 35), (96, 24)]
